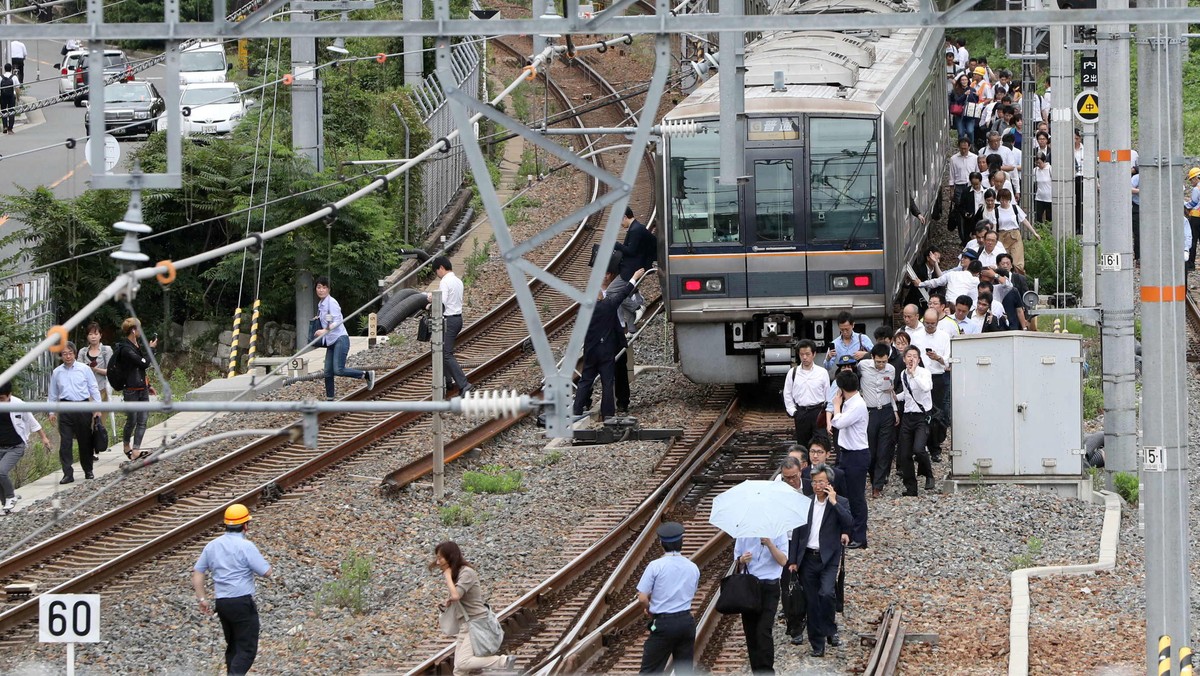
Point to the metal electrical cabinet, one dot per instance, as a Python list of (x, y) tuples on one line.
[(1017, 406)]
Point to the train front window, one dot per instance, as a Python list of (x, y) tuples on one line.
[(774, 215), (843, 181), (702, 210)]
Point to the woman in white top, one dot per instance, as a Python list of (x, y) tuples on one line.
[(988, 212), (1010, 220), (96, 356), (1042, 194)]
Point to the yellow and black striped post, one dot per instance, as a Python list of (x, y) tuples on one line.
[(233, 344), (250, 356), (1164, 655), (1185, 661)]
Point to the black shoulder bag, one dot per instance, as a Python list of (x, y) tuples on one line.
[(928, 414)]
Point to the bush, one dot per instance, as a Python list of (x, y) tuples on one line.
[(1044, 261), (461, 514), (350, 589), (1126, 484), (492, 479)]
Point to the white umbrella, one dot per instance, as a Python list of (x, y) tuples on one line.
[(759, 509)]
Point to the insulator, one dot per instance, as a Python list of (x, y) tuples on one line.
[(477, 404), (679, 127)]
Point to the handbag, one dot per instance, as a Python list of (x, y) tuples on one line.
[(956, 109), (739, 593), (486, 632), (99, 435), (975, 110), (314, 325), (448, 620), (424, 333)]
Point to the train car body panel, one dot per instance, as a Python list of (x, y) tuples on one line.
[(842, 133)]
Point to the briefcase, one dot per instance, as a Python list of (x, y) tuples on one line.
[(739, 593), (424, 333)]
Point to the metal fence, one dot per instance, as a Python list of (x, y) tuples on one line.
[(30, 302), (442, 178)]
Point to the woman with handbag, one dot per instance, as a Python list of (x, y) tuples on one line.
[(467, 614), (960, 95)]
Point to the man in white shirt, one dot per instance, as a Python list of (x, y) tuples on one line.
[(850, 418), (957, 282), (804, 391), (946, 323), (764, 559), (962, 164), (452, 308), (17, 54), (991, 249), (877, 381), (911, 315), (962, 315), (916, 391), (15, 430), (935, 355)]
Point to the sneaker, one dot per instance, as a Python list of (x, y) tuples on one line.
[(9, 504), (370, 380)]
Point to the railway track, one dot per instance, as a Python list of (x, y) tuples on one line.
[(113, 544)]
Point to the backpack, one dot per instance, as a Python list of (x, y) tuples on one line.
[(7, 88), (116, 372)]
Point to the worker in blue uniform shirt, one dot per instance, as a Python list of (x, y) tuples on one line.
[(233, 561), (665, 592)]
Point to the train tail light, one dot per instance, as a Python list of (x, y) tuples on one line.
[(691, 285), (861, 281)]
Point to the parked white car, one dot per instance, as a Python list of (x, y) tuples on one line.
[(213, 108), (203, 63)]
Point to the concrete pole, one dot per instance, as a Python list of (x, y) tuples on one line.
[(1062, 141), (539, 42), (1029, 111), (413, 56), (439, 394), (732, 76), (306, 140), (1115, 288), (1164, 492), (1088, 205)]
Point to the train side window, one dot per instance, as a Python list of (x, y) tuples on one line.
[(843, 180), (773, 200), (702, 211)]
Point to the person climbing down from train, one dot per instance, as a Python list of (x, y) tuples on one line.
[(638, 252), (804, 391), (849, 342), (600, 348), (626, 318), (926, 266), (958, 282)]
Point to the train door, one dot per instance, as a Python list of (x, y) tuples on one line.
[(776, 267)]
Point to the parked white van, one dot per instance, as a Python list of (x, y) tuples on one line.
[(203, 63)]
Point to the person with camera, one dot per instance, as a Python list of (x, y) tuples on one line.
[(129, 360), (934, 346), (916, 389)]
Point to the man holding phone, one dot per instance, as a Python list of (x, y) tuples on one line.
[(935, 356), (816, 553)]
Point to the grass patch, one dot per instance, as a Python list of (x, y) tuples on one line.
[(350, 589), (514, 213), (552, 458), (1127, 485), (459, 514), (529, 165), (522, 101), (492, 479), (1026, 559), (1057, 264), (475, 260)]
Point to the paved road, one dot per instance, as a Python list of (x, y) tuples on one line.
[(63, 170)]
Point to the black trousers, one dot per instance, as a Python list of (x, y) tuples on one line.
[(672, 635), (1137, 232), (856, 463), (601, 363), (72, 426), (881, 439), (453, 326), (18, 65), (941, 417), (760, 641), (913, 431), (239, 620), (805, 422), (820, 580), (1194, 224), (621, 373), (795, 604)]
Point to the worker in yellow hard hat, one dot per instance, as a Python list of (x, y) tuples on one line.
[(1192, 208), (233, 561)]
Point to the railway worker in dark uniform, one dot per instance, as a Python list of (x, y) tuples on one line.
[(600, 349), (816, 554), (638, 252), (850, 418), (233, 561), (72, 381), (764, 559), (804, 391), (665, 591), (626, 318), (877, 380)]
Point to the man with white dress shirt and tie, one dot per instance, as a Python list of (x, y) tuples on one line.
[(816, 554), (916, 392), (666, 590), (935, 356), (764, 559), (850, 419), (74, 382), (451, 288), (804, 391)]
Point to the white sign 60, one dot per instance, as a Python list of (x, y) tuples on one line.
[(69, 618)]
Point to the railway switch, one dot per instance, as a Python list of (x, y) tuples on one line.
[(622, 428)]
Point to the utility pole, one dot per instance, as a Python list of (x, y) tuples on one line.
[(307, 141), (1087, 202), (539, 41), (1115, 286), (1164, 492), (1030, 111), (414, 66), (439, 394), (1062, 148)]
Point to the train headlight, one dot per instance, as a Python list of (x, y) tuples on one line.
[(841, 282), (714, 285)]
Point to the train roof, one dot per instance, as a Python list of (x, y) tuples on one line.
[(857, 69)]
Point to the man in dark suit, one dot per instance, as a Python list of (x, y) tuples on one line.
[(600, 348), (818, 454), (639, 251), (816, 551)]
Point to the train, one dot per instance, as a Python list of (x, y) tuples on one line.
[(845, 136)]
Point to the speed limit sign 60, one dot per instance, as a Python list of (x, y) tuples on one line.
[(69, 618)]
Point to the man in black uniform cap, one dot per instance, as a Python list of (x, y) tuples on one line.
[(665, 592)]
